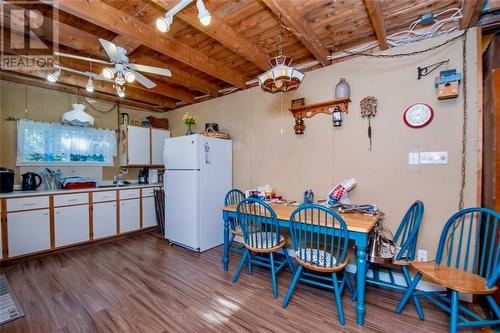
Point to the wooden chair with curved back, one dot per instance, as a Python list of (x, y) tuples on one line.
[(405, 240), (261, 233), (467, 261), (320, 238), (233, 198)]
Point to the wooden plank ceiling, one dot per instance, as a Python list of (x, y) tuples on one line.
[(235, 47)]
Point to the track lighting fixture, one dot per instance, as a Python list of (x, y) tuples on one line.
[(54, 76), (164, 22)]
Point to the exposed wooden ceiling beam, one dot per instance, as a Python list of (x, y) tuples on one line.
[(37, 82), (121, 23), (101, 87), (377, 20), (471, 10), (292, 18), (223, 33), (128, 44)]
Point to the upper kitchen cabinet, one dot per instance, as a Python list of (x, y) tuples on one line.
[(142, 146)]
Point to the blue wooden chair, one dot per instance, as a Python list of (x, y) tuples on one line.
[(319, 249), (233, 198), (467, 261), (261, 233), (406, 241)]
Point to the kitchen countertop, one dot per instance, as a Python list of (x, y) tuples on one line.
[(20, 193)]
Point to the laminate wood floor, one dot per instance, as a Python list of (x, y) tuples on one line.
[(141, 284)]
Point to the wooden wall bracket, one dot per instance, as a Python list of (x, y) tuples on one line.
[(309, 111)]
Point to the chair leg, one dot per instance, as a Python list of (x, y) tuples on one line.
[(338, 298), (291, 288), (454, 312), (290, 264), (348, 283), (418, 306), (408, 293), (231, 240), (249, 266), (240, 266), (273, 273)]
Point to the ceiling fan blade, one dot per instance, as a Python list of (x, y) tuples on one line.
[(151, 69), (111, 50), (144, 80), (67, 55)]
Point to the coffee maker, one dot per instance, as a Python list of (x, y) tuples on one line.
[(6, 180)]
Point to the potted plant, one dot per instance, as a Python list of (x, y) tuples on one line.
[(189, 121)]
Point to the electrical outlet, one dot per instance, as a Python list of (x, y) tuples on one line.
[(421, 255), (413, 158), (434, 157)]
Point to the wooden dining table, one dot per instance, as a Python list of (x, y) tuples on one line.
[(358, 224)]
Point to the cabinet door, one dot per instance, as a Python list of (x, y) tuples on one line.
[(138, 146), (148, 212), (104, 219), (129, 215), (28, 232), (71, 225), (158, 137)]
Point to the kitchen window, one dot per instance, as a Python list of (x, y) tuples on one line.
[(43, 143)]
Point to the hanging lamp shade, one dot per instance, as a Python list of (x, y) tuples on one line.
[(281, 77), (77, 116)]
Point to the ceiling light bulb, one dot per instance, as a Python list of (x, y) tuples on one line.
[(120, 91), (162, 24), (108, 73), (203, 14), (90, 85), (119, 79), (129, 76), (54, 76)]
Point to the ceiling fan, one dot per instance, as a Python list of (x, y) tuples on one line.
[(121, 70)]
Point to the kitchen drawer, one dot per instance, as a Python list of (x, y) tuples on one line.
[(149, 191), (71, 199), (27, 203), (129, 194), (103, 196)]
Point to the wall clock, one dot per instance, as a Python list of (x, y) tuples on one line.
[(418, 115)]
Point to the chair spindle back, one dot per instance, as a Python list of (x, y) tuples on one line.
[(470, 241), (407, 234), (233, 198), (259, 223), (311, 231)]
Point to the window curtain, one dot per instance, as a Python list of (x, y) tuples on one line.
[(41, 142)]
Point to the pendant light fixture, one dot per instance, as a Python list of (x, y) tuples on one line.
[(90, 85), (282, 77)]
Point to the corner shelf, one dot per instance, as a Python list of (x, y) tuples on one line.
[(309, 111)]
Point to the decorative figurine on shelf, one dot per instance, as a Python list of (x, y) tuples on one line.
[(189, 121), (369, 109)]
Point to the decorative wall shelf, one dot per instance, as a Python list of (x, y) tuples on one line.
[(309, 111)]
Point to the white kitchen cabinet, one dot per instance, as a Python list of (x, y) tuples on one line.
[(148, 212), (71, 225), (129, 215), (138, 142), (158, 137), (104, 219), (28, 231)]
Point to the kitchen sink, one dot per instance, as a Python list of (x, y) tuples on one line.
[(113, 185)]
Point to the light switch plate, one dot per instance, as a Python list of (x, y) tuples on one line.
[(434, 157), (413, 158)]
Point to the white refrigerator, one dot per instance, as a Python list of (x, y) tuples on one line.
[(198, 174)]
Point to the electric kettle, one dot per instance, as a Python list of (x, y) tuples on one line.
[(29, 181)]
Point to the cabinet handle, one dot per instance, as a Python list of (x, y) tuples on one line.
[(72, 200), (29, 204), (57, 212), (45, 214)]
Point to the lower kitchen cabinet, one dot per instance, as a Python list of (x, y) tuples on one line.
[(129, 215), (148, 212), (71, 225), (28, 232), (104, 219)]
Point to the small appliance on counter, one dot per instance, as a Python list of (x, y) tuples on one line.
[(153, 176), (29, 181), (143, 176), (6, 180)]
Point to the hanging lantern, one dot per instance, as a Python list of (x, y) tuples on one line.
[(281, 77), (337, 116)]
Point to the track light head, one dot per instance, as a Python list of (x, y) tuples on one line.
[(90, 85), (163, 23), (203, 14), (54, 76)]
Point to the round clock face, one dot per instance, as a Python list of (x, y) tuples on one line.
[(418, 115)]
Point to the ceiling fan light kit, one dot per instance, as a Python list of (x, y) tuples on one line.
[(164, 22), (120, 91)]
